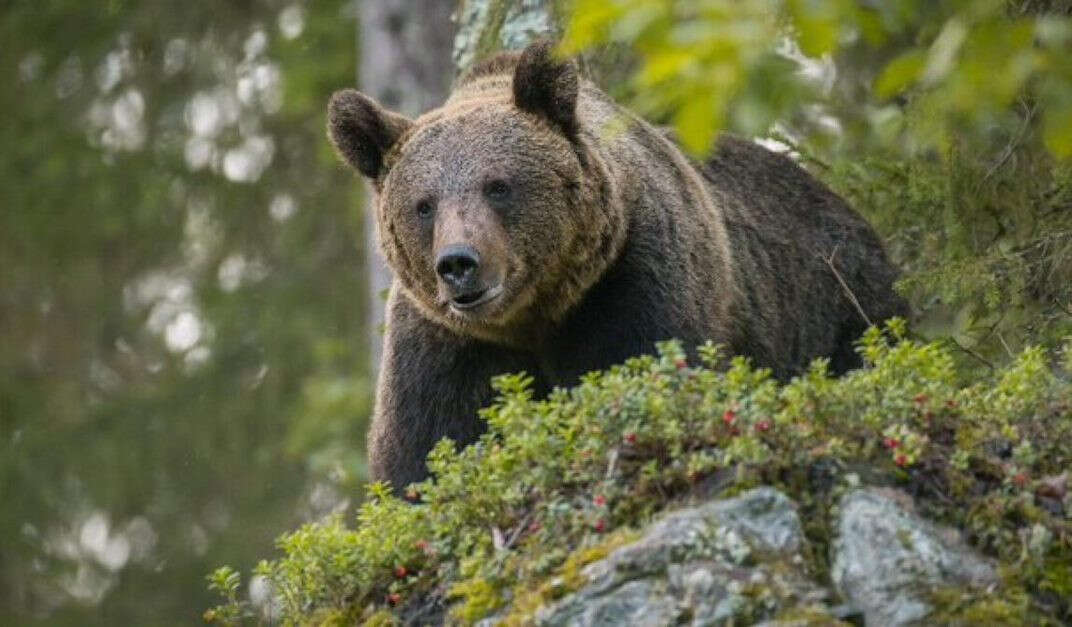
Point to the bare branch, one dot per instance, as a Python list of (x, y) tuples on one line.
[(1014, 141), (1008, 350), (848, 291)]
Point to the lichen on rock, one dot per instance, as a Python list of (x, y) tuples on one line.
[(727, 561), (886, 559)]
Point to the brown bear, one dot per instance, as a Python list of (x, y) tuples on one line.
[(533, 225)]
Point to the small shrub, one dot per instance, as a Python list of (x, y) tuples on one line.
[(556, 480)]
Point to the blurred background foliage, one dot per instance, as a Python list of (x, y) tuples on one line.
[(182, 341), (948, 123), (183, 307)]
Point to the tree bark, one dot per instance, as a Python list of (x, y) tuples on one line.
[(404, 47), (487, 26)]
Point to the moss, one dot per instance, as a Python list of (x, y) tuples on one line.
[(1051, 578), (1011, 607), (530, 596), (807, 616), (481, 598), (382, 618)]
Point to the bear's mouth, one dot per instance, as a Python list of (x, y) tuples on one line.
[(474, 299)]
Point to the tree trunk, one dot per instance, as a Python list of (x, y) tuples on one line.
[(405, 64), (487, 26)]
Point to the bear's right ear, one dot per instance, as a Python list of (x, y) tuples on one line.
[(363, 131)]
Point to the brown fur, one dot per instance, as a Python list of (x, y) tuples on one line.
[(606, 240)]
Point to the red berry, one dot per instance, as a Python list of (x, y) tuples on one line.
[(901, 461), (401, 572), (394, 598), (630, 438), (891, 442), (681, 364), (1020, 479), (920, 399), (600, 525), (763, 425), (600, 500), (729, 416)]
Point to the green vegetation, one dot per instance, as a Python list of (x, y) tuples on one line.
[(556, 482), (710, 63), (182, 345)]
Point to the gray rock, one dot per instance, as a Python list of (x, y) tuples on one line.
[(886, 559), (726, 562)]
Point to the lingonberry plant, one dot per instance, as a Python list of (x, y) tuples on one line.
[(556, 483)]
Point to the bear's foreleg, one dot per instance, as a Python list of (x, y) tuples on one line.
[(432, 382)]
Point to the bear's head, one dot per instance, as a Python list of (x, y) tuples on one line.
[(494, 210)]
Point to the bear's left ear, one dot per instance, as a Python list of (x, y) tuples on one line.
[(547, 87)]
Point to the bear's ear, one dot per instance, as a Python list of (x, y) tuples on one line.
[(547, 86), (363, 131)]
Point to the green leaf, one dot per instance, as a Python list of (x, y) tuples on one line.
[(1057, 132), (817, 26), (665, 65), (900, 73), (698, 120)]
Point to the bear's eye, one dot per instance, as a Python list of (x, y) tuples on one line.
[(497, 190), (425, 209)]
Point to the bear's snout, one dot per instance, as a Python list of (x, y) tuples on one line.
[(470, 258), (460, 272), (458, 266)]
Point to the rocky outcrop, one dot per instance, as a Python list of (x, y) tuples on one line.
[(735, 560), (741, 561)]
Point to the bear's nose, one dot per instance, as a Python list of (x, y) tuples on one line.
[(457, 264)]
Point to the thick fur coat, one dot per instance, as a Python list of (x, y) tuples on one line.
[(535, 225)]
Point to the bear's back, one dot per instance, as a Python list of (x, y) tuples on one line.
[(816, 273)]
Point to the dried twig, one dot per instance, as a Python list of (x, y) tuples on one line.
[(516, 533), (502, 542), (852, 297), (612, 465), (936, 489), (1007, 349), (1013, 142), (497, 539)]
